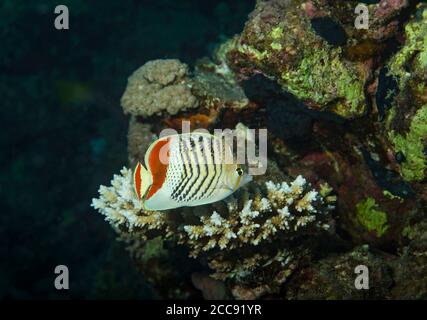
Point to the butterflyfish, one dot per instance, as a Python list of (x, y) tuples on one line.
[(188, 169)]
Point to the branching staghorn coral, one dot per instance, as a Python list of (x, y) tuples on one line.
[(122, 209), (241, 238), (259, 220)]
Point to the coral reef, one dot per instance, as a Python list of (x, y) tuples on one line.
[(268, 217), (345, 109)]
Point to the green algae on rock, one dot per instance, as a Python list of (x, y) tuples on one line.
[(279, 42), (412, 145), (407, 120), (326, 81), (415, 49), (370, 217)]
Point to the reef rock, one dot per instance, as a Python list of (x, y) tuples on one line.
[(407, 119), (280, 41)]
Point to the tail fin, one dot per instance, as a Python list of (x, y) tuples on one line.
[(141, 180)]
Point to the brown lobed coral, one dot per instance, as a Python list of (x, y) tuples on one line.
[(158, 86)]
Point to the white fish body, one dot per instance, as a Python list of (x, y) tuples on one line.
[(189, 169)]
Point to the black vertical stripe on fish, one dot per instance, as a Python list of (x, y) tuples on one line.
[(191, 183), (219, 175), (214, 167), (183, 183), (203, 152), (210, 174), (185, 157), (216, 160), (216, 182), (183, 172)]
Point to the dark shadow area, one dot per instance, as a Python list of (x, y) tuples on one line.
[(64, 133)]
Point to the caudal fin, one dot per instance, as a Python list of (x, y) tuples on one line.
[(141, 180)]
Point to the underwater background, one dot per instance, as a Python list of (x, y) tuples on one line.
[(346, 113), (64, 133)]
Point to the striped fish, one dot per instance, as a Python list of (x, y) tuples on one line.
[(188, 169)]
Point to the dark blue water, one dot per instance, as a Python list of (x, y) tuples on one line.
[(63, 132)]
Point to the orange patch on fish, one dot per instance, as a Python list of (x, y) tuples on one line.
[(157, 168), (137, 180)]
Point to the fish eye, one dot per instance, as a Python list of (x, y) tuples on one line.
[(239, 171)]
